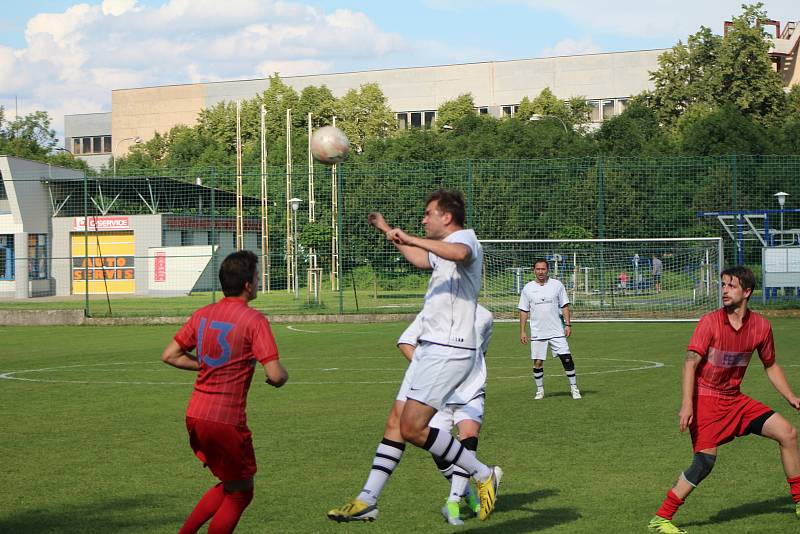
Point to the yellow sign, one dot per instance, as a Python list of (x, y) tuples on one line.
[(105, 263)]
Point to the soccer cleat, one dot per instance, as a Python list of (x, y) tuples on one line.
[(487, 491), (539, 394), (473, 503), (451, 512), (576, 393), (665, 526), (354, 510)]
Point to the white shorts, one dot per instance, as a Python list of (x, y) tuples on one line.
[(452, 414), (436, 373), (402, 394), (558, 345)]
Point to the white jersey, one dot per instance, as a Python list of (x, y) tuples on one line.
[(473, 386), (448, 314), (543, 303)]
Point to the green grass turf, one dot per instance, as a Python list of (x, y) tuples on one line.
[(101, 447)]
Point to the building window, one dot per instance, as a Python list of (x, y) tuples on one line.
[(622, 103), (594, 110), (608, 109), (416, 119), (508, 111), (483, 111), (37, 256), (429, 118), (100, 144), (6, 257), (402, 121)]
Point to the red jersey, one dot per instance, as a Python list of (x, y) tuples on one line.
[(726, 352), (230, 337)]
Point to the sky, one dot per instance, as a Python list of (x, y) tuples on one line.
[(66, 57)]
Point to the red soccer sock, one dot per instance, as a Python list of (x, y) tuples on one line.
[(204, 510), (230, 511), (794, 485), (670, 506)]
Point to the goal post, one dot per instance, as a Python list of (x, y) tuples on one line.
[(655, 279)]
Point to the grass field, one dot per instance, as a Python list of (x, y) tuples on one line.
[(93, 439)]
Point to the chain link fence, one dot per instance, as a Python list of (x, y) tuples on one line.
[(149, 244)]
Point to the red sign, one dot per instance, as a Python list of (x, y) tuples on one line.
[(160, 270), (103, 224)]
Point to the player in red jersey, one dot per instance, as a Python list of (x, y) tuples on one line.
[(230, 337), (714, 409)]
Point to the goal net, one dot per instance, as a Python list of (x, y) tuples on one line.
[(610, 279)]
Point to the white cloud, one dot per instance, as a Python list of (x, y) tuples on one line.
[(569, 47), (73, 59)]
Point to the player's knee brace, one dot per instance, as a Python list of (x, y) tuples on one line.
[(702, 464), (566, 361), (470, 443)]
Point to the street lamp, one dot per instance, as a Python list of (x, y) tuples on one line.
[(781, 196), (537, 117), (136, 140), (295, 204)]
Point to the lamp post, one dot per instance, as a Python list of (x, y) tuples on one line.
[(537, 117), (136, 140), (295, 205), (781, 196)]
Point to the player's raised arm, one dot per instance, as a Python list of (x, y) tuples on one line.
[(416, 256), (175, 356)]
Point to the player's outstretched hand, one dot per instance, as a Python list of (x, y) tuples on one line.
[(375, 218), (399, 237), (523, 338), (685, 416), (795, 402)]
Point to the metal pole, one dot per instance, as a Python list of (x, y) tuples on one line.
[(213, 238), (86, 311), (265, 261), (290, 251), (294, 276)]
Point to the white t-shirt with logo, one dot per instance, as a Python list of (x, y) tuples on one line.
[(544, 303), (448, 314), (475, 383)]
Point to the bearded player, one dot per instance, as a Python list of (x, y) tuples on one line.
[(714, 409)]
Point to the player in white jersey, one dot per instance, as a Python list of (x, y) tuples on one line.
[(544, 300), (464, 410), (445, 355)]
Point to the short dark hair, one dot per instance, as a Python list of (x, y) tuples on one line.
[(540, 260), (449, 201), (236, 270), (745, 276)]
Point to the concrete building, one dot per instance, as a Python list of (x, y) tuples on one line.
[(605, 80)]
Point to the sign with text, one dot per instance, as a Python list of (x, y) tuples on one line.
[(102, 224), (160, 267)]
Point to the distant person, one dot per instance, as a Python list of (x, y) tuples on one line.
[(230, 337), (658, 270), (543, 301), (713, 408), (623, 281)]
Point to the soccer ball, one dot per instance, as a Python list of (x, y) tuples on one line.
[(329, 145)]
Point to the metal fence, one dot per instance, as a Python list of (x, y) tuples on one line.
[(150, 243)]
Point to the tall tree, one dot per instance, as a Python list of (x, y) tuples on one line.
[(452, 111), (364, 115)]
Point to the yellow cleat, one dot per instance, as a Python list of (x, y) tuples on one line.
[(665, 526), (487, 491), (354, 510)]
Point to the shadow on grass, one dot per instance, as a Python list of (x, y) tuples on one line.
[(536, 518), (549, 393), (778, 505), (114, 515)]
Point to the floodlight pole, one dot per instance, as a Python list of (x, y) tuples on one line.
[(781, 196), (294, 203)]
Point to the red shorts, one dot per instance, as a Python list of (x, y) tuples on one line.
[(227, 450), (718, 420)]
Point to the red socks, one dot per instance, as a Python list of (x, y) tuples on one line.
[(205, 509), (670, 506), (230, 511), (794, 485)]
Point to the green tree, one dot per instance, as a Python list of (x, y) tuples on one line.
[(452, 111), (28, 137), (704, 132), (364, 115)]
